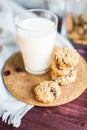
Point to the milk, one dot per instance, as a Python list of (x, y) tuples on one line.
[(36, 37)]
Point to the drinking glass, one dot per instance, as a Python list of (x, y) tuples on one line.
[(36, 34)]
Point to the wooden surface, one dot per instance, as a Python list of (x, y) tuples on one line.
[(21, 85), (72, 116)]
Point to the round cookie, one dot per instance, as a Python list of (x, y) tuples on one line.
[(74, 35), (64, 80), (61, 71), (76, 20), (83, 18), (47, 91), (65, 57), (69, 22)]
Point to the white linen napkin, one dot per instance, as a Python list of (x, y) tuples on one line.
[(11, 109), (9, 105)]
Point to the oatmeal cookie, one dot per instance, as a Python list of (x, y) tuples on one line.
[(83, 18), (65, 57), (47, 91), (74, 35), (64, 80), (61, 71), (76, 20), (69, 22)]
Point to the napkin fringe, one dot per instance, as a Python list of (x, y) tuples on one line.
[(10, 118), (14, 118)]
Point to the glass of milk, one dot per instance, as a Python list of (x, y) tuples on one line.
[(36, 35)]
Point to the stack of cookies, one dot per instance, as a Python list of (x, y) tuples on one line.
[(64, 62)]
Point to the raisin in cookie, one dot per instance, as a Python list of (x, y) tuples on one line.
[(61, 71), (64, 80), (65, 57), (47, 91)]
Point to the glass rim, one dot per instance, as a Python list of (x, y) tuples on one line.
[(33, 10)]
